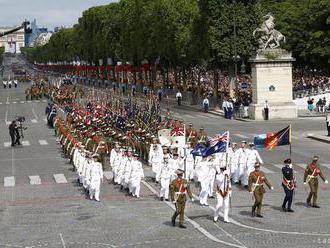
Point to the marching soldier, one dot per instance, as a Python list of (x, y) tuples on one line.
[(202, 136), (191, 135), (179, 188), (256, 180), (312, 171), (96, 177), (288, 184), (224, 191)]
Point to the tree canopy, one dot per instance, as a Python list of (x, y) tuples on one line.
[(190, 32)]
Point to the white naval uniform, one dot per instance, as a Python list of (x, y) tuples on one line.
[(242, 162), (234, 165), (86, 173), (174, 164), (127, 172), (156, 157), (135, 178), (203, 174), (121, 169), (165, 179), (96, 176), (222, 182), (190, 162), (115, 166), (251, 160)]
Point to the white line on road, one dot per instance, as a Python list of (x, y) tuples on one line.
[(14, 102), (34, 113), (25, 143), (194, 223), (22, 102), (62, 240), (43, 142), (44, 100), (35, 180), (34, 121), (37, 100), (241, 135), (9, 182), (7, 144), (229, 235), (44, 119), (268, 171), (0, 103), (29, 101), (60, 178)]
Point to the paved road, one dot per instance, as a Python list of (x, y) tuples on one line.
[(38, 211)]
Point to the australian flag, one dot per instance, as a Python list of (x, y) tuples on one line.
[(218, 143)]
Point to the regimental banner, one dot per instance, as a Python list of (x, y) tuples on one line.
[(164, 136)]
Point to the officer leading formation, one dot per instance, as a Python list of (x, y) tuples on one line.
[(128, 132)]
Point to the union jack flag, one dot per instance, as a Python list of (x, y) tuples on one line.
[(178, 131), (219, 137)]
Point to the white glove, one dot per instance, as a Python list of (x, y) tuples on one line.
[(192, 199), (251, 192), (272, 188), (326, 182), (173, 202), (305, 183)]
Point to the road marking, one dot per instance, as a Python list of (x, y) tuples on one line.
[(35, 180), (29, 101), (9, 182), (7, 144), (108, 175), (44, 100), (34, 121), (268, 171), (22, 102), (7, 102), (25, 143), (326, 165), (194, 223), (241, 135), (301, 165), (43, 142), (37, 100), (6, 118), (44, 119), (62, 241), (14, 102), (60, 178), (0, 103)]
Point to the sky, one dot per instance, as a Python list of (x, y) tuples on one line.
[(49, 13)]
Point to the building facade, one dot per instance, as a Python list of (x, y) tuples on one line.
[(12, 42)]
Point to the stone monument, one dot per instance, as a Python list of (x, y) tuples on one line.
[(271, 75)]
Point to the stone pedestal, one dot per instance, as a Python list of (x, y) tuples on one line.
[(272, 81)]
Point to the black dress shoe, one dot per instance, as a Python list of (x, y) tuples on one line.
[(290, 210), (162, 198), (246, 187), (259, 216), (284, 209), (173, 222), (316, 206), (182, 226)]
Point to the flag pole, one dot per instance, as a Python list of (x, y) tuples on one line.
[(185, 152), (290, 141)]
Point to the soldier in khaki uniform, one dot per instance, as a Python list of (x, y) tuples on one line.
[(178, 189), (312, 171), (256, 180)]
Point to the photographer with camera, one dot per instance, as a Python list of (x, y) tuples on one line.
[(14, 134)]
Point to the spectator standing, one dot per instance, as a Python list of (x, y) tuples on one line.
[(179, 97), (206, 104), (266, 110)]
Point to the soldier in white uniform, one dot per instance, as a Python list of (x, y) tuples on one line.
[(9, 83), (233, 162), (127, 170), (86, 169), (165, 179), (174, 164), (253, 158), (203, 172), (136, 176), (116, 163), (189, 161), (96, 177), (243, 154), (15, 83), (155, 159), (4, 84), (114, 153), (224, 191), (121, 167), (213, 163)]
